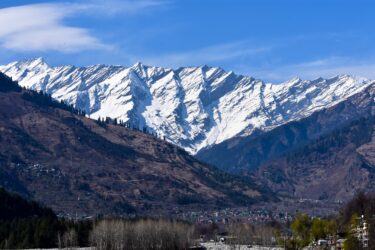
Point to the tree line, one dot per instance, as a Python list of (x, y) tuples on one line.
[(7, 85), (103, 122), (144, 234), (45, 100), (26, 224)]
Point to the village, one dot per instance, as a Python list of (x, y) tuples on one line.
[(267, 240)]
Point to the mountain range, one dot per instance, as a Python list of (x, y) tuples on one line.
[(192, 107), (52, 153), (299, 139)]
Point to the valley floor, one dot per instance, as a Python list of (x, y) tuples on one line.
[(221, 246)]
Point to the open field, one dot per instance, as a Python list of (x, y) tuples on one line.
[(221, 246)]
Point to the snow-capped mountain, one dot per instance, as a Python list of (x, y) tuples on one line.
[(193, 107)]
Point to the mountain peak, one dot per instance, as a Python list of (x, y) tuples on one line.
[(39, 60), (138, 65), (293, 80), (352, 79), (35, 61)]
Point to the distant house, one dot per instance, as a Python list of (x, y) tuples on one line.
[(361, 231), (322, 243), (340, 244)]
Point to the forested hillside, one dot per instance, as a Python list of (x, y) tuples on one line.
[(25, 224), (52, 153)]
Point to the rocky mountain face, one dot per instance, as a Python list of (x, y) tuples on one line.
[(328, 155), (75, 165), (333, 167), (193, 107), (248, 153)]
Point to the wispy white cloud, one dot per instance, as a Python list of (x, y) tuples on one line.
[(212, 54), (325, 67), (110, 7), (42, 27)]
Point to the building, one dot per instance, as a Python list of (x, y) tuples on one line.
[(361, 231)]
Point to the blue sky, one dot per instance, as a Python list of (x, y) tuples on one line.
[(270, 39)]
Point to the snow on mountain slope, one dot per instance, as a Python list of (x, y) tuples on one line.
[(193, 107)]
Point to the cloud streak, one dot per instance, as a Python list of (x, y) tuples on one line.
[(212, 54), (113, 7), (324, 67)]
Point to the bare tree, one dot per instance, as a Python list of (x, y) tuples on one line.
[(67, 240), (141, 235), (246, 234)]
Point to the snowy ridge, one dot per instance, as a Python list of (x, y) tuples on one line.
[(193, 107)]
